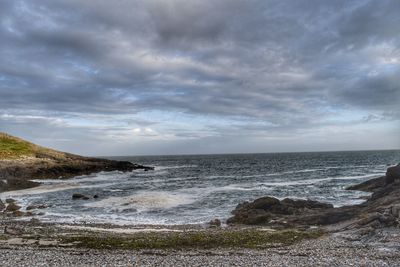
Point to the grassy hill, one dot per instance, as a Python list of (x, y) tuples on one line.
[(15, 148), (12, 147), (22, 161)]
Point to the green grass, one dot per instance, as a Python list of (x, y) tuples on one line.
[(11, 148), (193, 239)]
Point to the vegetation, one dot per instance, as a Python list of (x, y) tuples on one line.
[(12, 147), (193, 239)]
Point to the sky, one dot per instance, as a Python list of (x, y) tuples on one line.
[(100, 77)]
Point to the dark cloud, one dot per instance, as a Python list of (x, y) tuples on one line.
[(281, 65)]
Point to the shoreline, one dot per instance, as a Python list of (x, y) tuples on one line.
[(266, 231), (44, 244)]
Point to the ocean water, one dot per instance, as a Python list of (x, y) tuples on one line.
[(197, 188)]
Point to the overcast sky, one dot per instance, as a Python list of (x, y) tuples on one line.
[(101, 77)]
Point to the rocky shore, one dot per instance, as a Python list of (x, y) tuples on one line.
[(21, 162), (380, 210), (263, 232)]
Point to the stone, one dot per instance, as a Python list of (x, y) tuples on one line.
[(35, 207), (2, 206), (79, 196), (215, 223), (393, 174), (267, 210), (18, 213), (395, 210), (95, 196), (12, 207), (34, 221), (13, 230), (10, 200)]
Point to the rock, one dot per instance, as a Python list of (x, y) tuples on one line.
[(215, 223), (18, 213), (95, 196), (393, 174), (10, 200), (35, 207), (369, 186), (368, 218), (13, 230), (34, 221), (269, 210), (129, 210), (2, 206), (12, 207), (395, 210), (79, 196)]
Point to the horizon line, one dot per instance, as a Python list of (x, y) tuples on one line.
[(245, 153)]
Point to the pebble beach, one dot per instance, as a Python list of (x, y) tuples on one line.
[(326, 251)]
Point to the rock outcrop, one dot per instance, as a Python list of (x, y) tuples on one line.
[(382, 209), (26, 161), (2, 206)]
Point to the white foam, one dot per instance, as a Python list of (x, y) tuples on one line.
[(40, 190), (174, 167), (145, 201)]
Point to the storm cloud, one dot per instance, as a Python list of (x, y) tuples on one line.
[(166, 77)]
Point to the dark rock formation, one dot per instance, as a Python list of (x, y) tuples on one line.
[(382, 209), (370, 185), (393, 174), (35, 207), (2, 206), (269, 210), (13, 230), (215, 223), (79, 196), (12, 207), (391, 178)]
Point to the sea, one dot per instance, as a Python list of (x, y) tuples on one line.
[(194, 189)]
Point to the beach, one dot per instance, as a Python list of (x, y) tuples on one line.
[(324, 251), (285, 209)]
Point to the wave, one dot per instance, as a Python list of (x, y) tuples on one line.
[(142, 201), (162, 167)]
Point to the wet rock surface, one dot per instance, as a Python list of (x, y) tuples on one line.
[(2, 206), (381, 210)]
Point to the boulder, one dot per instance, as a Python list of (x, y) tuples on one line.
[(18, 213), (215, 223), (10, 200), (395, 211), (34, 221), (12, 207), (35, 207), (371, 185), (393, 174), (9, 230), (268, 210), (79, 196), (2, 206)]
